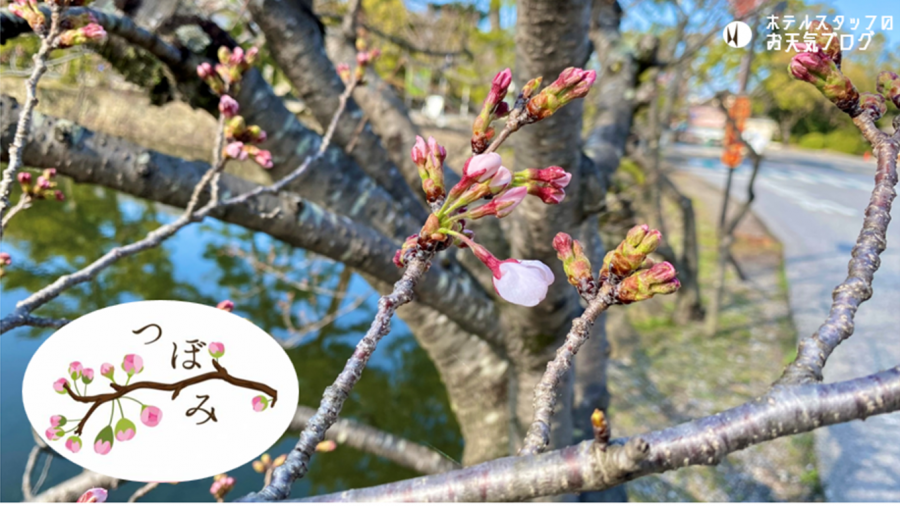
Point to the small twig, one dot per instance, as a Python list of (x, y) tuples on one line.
[(23, 203), (48, 43), (29, 468), (356, 133), (120, 391), (328, 319), (141, 492), (297, 463), (865, 260), (547, 391), (44, 472)]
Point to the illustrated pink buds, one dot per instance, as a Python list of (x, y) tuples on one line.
[(576, 264), (260, 403), (107, 370), (54, 433), (74, 444), (57, 421), (132, 364), (60, 385), (75, 369), (228, 106), (222, 485), (572, 83), (225, 305), (429, 158), (873, 103), (125, 430), (659, 279), (94, 495), (821, 71), (492, 109), (151, 416), (87, 376), (217, 350), (103, 443), (888, 84), (631, 253)]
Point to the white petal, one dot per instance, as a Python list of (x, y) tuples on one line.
[(523, 284), (545, 271)]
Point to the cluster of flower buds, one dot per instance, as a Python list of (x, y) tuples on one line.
[(628, 267), (225, 77), (42, 187), (529, 107), (493, 108), (572, 83), (74, 30), (522, 282), (222, 485), (546, 184), (821, 68), (364, 58), (241, 139), (888, 84), (429, 158)]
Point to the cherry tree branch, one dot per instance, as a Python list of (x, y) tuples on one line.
[(783, 411), (865, 260), (141, 492), (297, 463), (377, 442), (48, 43), (547, 391), (71, 489)]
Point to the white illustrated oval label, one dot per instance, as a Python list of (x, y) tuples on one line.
[(160, 391)]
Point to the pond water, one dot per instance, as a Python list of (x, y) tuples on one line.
[(400, 391)]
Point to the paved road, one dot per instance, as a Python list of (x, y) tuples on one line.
[(814, 205)]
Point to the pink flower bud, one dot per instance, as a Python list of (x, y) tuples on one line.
[(93, 31), (50, 173), (5, 259), (522, 282), (94, 495), (228, 106), (225, 305), (54, 433), (87, 376), (125, 429), (575, 263), (631, 253), (263, 158), (821, 71), (58, 195), (103, 443), (480, 168), (499, 88), (216, 349), (236, 151), (73, 444), (132, 364), (151, 416), (59, 385), (205, 70), (547, 194), (75, 369), (644, 284), (500, 181), (418, 152), (260, 403), (57, 420), (43, 183), (572, 83), (429, 158), (107, 370), (826, 40), (24, 178)]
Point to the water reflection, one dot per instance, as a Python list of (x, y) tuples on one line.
[(400, 391)]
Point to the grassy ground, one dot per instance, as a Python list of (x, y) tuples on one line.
[(662, 374)]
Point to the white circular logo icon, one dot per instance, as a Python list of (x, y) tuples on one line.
[(737, 34)]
